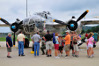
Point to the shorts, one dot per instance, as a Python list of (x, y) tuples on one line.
[(9, 49), (90, 45), (49, 45), (61, 48), (67, 47), (76, 47), (56, 46), (96, 40), (71, 46)]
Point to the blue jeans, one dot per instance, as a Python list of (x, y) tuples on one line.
[(21, 47), (36, 47)]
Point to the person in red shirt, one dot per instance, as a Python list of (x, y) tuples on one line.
[(86, 35)]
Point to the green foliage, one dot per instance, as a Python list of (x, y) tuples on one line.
[(2, 39), (94, 29), (83, 31)]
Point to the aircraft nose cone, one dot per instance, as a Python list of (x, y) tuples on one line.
[(72, 25)]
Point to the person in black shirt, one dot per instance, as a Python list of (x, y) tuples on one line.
[(48, 38), (9, 44)]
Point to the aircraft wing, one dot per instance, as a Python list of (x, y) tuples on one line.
[(90, 21)]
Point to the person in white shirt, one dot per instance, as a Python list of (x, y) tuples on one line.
[(21, 42)]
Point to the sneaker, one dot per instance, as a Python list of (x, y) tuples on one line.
[(19, 54), (57, 57), (22, 55), (89, 57), (50, 55), (47, 55), (9, 57), (92, 55), (76, 56), (66, 56), (43, 53), (73, 55)]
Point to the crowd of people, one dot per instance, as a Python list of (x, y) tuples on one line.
[(71, 42)]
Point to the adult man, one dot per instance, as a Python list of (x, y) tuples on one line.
[(48, 39), (9, 44), (36, 40), (67, 43), (21, 42), (71, 43), (95, 37)]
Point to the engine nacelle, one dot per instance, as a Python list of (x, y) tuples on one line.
[(72, 25)]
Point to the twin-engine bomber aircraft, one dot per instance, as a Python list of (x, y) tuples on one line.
[(41, 22)]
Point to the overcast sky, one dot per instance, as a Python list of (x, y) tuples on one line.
[(60, 9)]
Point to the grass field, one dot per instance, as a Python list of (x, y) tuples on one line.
[(4, 39)]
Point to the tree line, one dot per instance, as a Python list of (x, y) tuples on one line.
[(93, 29)]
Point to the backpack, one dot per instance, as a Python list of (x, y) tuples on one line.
[(54, 40), (75, 40), (94, 45)]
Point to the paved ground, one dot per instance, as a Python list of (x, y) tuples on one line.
[(30, 60)]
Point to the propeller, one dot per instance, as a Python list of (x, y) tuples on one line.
[(60, 22), (72, 24), (14, 27), (82, 16), (3, 20)]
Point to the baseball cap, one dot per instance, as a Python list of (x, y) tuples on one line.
[(59, 35), (67, 31)]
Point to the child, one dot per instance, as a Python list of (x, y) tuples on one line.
[(61, 44), (43, 46)]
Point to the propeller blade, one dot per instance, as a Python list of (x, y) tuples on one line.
[(82, 16), (60, 22), (14, 39), (4, 21)]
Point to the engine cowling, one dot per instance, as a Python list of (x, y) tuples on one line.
[(72, 25)]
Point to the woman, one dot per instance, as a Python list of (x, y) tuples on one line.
[(61, 44), (56, 45), (76, 38), (90, 45)]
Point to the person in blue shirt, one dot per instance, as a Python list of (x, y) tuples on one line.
[(36, 40), (95, 37), (9, 45)]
